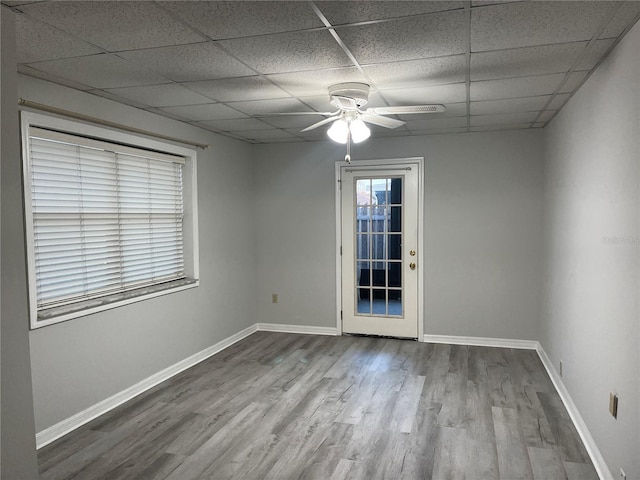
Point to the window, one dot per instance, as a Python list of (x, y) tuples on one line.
[(108, 222)]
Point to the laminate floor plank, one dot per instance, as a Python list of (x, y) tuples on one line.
[(482, 454), (563, 429), (404, 412), (580, 471), (513, 458), (533, 422), (546, 463), (278, 406), (451, 458)]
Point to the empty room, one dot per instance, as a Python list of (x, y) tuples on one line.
[(320, 240)]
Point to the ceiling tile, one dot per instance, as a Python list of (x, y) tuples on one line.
[(237, 125), (521, 62), (123, 100), (515, 87), (574, 80), (223, 20), (409, 38), (511, 105), (297, 122), (317, 135), (165, 95), (453, 93), (238, 89), (453, 110), (199, 113), (503, 119), (594, 54), (282, 140), (37, 41), (320, 103), (114, 25), (377, 132), (339, 13), (418, 73), (264, 134), (100, 71), (438, 131), (522, 24), (17, 3), (436, 123), (546, 116), (280, 105), (490, 128), (50, 77), (288, 52), (479, 3), (627, 14), (315, 82), (559, 100), (184, 63)]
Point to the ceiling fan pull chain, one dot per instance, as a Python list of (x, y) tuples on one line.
[(347, 157)]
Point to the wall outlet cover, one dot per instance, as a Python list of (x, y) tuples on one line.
[(613, 404)]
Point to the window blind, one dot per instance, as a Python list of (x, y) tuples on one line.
[(107, 218)]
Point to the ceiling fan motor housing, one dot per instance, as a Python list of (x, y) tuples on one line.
[(359, 92)]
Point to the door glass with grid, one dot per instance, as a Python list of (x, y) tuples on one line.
[(379, 239)]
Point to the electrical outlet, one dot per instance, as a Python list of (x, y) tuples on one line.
[(561, 368), (274, 298), (623, 476), (613, 405)]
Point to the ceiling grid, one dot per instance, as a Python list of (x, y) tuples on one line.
[(224, 65)]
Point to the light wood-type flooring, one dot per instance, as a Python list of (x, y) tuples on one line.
[(289, 406)]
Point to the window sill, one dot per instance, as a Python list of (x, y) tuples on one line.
[(62, 313)]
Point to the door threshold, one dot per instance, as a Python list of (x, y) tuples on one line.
[(378, 336)]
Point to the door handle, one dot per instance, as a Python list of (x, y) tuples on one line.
[(412, 265)]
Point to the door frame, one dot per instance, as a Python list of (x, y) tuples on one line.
[(377, 163)]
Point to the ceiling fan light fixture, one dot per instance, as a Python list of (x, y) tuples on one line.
[(339, 131), (359, 131)]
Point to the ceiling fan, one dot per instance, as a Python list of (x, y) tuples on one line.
[(348, 122)]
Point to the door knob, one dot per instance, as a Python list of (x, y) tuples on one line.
[(412, 265), (412, 253)]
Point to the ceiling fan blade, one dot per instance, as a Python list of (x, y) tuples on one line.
[(380, 120), (320, 123), (407, 110), (295, 113)]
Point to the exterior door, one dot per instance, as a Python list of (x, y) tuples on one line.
[(379, 220)]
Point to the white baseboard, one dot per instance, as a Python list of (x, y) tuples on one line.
[(482, 341), (592, 449), (60, 429), (283, 328)]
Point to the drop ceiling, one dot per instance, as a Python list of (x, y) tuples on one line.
[(223, 66)]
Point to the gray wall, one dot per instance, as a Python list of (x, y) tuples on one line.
[(18, 434), (482, 230), (590, 302), (80, 362)]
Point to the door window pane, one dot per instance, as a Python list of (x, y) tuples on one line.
[(378, 246)]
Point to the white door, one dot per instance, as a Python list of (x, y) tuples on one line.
[(379, 210)]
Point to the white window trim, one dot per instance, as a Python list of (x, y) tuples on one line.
[(190, 223)]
